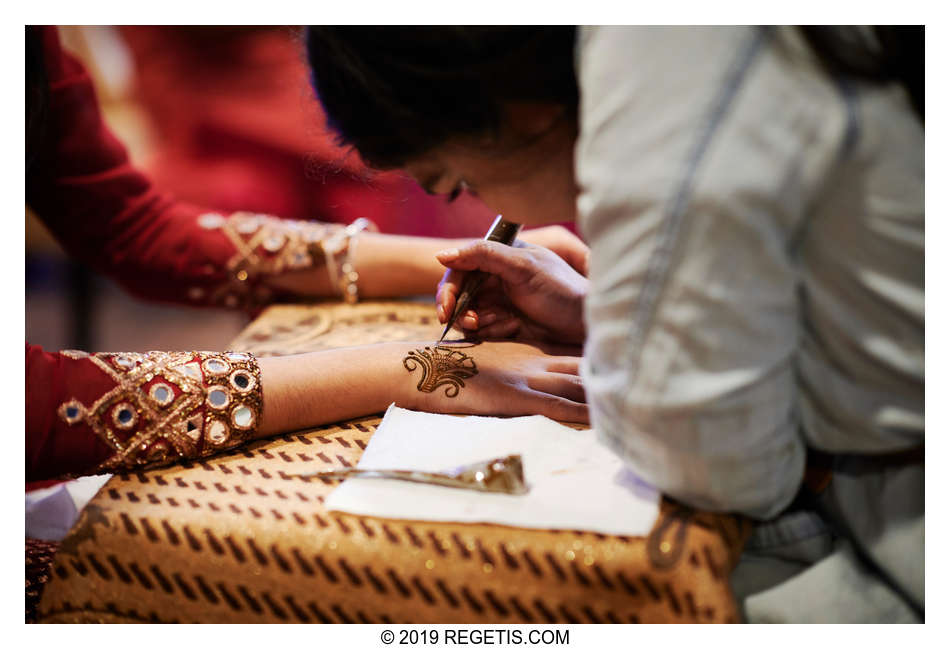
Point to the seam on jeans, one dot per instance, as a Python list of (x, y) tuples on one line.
[(658, 266), (784, 533)]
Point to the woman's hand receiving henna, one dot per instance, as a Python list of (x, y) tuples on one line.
[(496, 378), (492, 378)]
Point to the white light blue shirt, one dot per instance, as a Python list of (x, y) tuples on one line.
[(757, 260)]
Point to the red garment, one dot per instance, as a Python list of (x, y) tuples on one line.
[(239, 128), (52, 447), (102, 210), (108, 412), (99, 413)]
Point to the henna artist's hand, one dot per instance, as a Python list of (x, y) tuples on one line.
[(561, 241), (497, 378), (533, 294)]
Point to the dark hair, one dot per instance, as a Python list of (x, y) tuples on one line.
[(394, 93), (893, 53)]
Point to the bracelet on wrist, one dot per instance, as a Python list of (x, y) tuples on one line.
[(340, 252)]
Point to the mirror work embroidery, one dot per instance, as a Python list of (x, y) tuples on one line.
[(166, 406)]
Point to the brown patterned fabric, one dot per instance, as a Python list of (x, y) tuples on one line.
[(39, 560), (239, 538), (294, 329)]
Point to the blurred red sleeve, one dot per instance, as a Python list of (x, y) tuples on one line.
[(53, 448), (102, 210)]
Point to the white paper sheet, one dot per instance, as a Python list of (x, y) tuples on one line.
[(51, 512), (576, 482)]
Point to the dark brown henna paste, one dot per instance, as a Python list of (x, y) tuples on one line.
[(441, 365)]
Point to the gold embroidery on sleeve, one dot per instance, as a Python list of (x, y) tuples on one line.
[(167, 406), (264, 246)]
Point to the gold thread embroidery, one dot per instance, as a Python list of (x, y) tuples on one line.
[(71, 411), (127, 423), (242, 381), (176, 426), (264, 246), (157, 391)]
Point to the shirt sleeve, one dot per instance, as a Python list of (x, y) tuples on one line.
[(107, 214), (110, 413), (696, 162)]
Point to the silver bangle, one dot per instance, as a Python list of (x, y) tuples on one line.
[(343, 244)]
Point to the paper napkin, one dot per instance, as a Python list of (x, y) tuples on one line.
[(576, 483)]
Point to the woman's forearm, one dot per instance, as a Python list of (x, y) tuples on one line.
[(307, 390), (498, 378), (388, 266), (400, 265)]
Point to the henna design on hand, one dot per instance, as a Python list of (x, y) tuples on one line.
[(441, 365)]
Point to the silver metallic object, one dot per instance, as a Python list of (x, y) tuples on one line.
[(499, 475)]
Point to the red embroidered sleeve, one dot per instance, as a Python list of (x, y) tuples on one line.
[(108, 215), (99, 413)]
